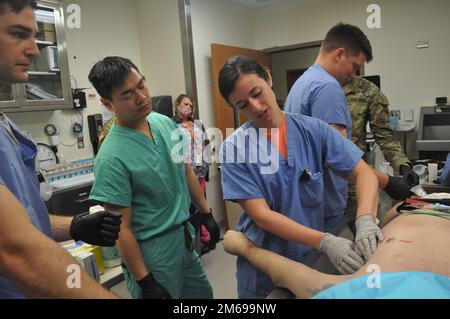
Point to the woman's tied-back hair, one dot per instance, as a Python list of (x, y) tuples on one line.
[(233, 68), (110, 73), (349, 37)]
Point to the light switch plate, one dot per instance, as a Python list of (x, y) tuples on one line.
[(408, 115)]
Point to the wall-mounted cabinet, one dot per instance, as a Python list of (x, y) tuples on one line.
[(48, 87)]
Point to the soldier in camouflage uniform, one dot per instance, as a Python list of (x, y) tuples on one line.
[(367, 104), (105, 130)]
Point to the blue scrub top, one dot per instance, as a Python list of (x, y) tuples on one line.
[(318, 94), (17, 172), (444, 178), (252, 168)]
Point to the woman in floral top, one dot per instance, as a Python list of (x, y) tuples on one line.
[(196, 155)]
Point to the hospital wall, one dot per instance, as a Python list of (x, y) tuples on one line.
[(410, 77), (160, 43)]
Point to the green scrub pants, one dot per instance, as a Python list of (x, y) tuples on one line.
[(174, 265)]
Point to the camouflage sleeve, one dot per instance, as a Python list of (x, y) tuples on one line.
[(105, 131), (384, 136)]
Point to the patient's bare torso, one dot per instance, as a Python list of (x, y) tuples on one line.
[(413, 243)]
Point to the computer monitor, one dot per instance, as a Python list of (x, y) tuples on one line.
[(163, 104)]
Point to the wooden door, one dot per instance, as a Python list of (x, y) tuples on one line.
[(219, 55), (292, 76), (224, 112)]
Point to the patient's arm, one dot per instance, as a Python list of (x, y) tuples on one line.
[(303, 281)]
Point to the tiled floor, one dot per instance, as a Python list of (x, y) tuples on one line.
[(220, 268)]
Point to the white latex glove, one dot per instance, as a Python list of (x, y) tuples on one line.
[(367, 235), (340, 252)]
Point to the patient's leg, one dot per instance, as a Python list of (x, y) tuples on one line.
[(301, 280)]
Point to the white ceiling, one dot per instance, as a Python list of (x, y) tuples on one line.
[(258, 3)]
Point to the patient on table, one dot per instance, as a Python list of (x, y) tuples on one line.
[(413, 261)]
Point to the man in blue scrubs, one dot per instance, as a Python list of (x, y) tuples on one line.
[(31, 264), (318, 93), (273, 167), (444, 177)]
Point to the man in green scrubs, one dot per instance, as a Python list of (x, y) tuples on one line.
[(137, 175)]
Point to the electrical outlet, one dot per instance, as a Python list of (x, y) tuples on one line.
[(395, 113), (80, 142)]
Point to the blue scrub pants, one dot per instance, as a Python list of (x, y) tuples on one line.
[(244, 293)]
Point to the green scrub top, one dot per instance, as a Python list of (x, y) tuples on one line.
[(135, 172)]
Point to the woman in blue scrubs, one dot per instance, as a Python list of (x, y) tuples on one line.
[(272, 166)]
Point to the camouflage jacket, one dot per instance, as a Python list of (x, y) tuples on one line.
[(105, 130), (367, 103)]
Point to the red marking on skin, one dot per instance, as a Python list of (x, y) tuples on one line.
[(406, 241)]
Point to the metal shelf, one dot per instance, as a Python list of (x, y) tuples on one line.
[(55, 82), (43, 73), (44, 43)]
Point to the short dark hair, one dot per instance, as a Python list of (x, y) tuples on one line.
[(16, 5), (349, 37), (110, 73), (233, 68)]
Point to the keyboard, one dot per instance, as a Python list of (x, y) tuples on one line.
[(73, 181)]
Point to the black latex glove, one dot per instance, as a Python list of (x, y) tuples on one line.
[(207, 219), (398, 188), (195, 220), (101, 228), (408, 174), (151, 289)]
